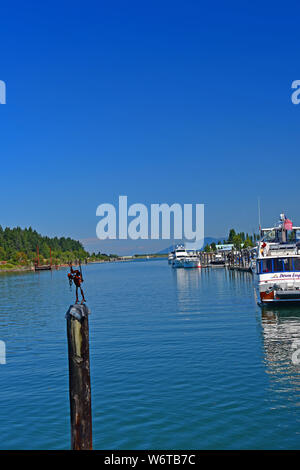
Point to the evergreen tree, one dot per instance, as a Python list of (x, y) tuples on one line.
[(231, 236), (20, 246)]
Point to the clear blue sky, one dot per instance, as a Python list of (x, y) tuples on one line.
[(164, 101)]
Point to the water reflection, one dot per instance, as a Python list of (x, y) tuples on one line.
[(281, 338), (241, 278), (187, 279), (189, 284)]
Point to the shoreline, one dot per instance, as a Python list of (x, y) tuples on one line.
[(28, 269)]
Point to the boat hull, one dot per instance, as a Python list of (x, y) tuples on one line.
[(43, 268), (192, 264), (177, 263), (277, 302), (272, 295)]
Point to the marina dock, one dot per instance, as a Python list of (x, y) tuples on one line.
[(240, 261), (234, 260)]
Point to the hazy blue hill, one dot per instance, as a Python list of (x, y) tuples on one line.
[(207, 241)]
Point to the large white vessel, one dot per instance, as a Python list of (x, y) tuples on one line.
[(179, 256), (278, 263)]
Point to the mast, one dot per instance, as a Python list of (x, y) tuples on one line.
[(259, 221)]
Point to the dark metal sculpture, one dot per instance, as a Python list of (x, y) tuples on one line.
[(75, 275)]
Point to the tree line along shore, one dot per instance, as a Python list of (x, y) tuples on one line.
[(22, 249)]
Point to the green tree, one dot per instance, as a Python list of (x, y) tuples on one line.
[(237, 241), (20, 246), (2, 254), (231, 236), (248, 243)]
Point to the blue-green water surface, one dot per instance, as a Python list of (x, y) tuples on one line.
[(180, 359)]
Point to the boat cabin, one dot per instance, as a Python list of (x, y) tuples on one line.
[(278, 265)]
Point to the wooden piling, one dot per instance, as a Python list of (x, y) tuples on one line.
[(79, 377)]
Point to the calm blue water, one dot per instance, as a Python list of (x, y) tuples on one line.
[(180, 359)]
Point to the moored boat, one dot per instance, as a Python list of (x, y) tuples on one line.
[(180, 255), (218, 260), (180, 258), (278, 264), (170, 257)]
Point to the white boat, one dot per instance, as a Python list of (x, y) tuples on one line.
[(218, 260), (170, 257), (179, 257), (278, 264)]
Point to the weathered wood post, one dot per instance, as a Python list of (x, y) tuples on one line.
[(79, 377)]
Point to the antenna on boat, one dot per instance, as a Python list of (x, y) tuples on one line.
[(259, 221)]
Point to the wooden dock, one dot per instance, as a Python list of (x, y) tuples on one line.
[(44, 267), (240, 261), (234, 260)]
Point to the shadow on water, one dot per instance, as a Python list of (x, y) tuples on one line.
[(280, 311)]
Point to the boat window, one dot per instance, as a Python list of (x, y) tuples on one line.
[(288, 264), (297, 264), (267, 266), (278, 265), (291, 235), (270, 236)]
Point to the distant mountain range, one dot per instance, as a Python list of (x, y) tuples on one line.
[(207, 241)]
